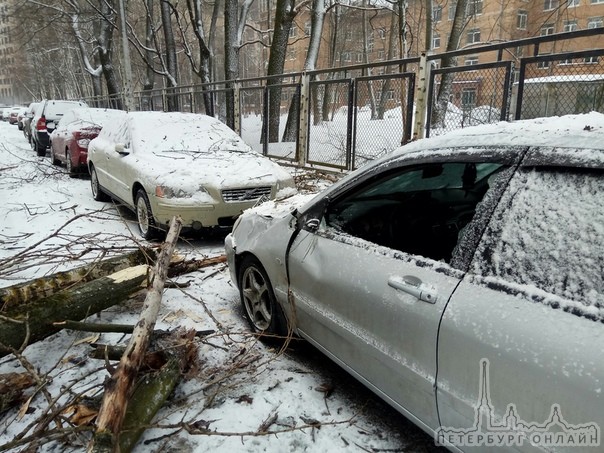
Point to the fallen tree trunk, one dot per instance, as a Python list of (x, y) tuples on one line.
[(119, 387), (43, 287), (33, 322)]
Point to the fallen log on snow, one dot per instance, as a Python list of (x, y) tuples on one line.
[(33, 322), (120, 386), (43, 287)]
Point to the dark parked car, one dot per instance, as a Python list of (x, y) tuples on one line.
[(46, 117), (69, 141), (461, 278)]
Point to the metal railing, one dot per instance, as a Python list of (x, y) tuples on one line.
[(343, 117)]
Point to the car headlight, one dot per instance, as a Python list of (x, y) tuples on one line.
[(170, 192)]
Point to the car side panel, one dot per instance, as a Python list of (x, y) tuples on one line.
[(537, 357), (346, 303)]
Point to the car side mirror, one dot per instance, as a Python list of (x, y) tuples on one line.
[(120, 148), (50, 126)]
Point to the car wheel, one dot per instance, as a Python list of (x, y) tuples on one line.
[(97, 192), (261, 308), (144, 215), (69, 166), (40, 150), (53, 158)]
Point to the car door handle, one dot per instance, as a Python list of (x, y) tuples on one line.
[(414, 286)]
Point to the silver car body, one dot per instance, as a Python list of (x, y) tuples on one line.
[(209, 175), (447, 342)]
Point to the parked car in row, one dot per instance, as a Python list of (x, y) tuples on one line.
[(46, 118), (27, 118), (461, 278), (14, 114), (69, 141), (162, 165)]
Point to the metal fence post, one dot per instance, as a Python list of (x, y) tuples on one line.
[(421, 98), (302, 148), (236, 108)]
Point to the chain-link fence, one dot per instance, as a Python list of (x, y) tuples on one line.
[(468, 96), (383, 115), (344, 117), (553, 85)]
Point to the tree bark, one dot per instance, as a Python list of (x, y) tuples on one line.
[(171, 62), (31, 291), (119, 387), (33, 322)]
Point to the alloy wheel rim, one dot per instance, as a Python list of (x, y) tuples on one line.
[(142, 215), (256, 298)]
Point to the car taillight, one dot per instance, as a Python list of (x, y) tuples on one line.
[(41, 124)]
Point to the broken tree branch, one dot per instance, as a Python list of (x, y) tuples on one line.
[(119, 387)]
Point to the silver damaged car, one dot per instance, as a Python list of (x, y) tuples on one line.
[(461, 278)]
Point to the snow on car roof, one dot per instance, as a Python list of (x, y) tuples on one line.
[(570, 131), (167, 131)]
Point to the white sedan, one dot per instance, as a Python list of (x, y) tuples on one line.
[(460, 277), (163, 164)]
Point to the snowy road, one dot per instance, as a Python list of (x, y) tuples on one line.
[(49, 222)]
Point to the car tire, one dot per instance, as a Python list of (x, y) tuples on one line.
[(144, 215), (53, 158), (260, 305), (40, 150), (97, 192), (71, 171)]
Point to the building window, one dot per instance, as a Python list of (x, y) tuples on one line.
[(437, 12), (572, 3), (452, 7), (591, 60), (307, 28), (471, 61), (521, 20), (547, 29), (473, 36), (594, 2), (380, 55), (349, 35), (382, 33), (468, 98), (359, 57), (570, 25), (346, 56), (595, 22), (548, 5), (543, 64), (435, 40), (566, 61), (293, 31), (474, 7)]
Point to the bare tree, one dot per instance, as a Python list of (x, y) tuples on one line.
[(446, 83)]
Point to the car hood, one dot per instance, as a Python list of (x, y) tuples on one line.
[(217, 169)]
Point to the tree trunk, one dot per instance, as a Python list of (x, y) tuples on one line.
[(171, 62), (105, 45), (119, 387), (446, 82), (284, 17), (149, 81), (31, 291), (316, 29), (33, 322)]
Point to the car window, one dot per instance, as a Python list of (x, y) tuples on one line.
[(420, 210), (547, 237)]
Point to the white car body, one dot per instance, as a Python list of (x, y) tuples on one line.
[(504, 337), (187, 164)]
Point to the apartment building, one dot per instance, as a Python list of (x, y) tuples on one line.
[(7, 54)]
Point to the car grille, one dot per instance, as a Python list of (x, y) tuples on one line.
[(246, 194)]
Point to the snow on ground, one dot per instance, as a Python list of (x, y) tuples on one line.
[(49, 222)]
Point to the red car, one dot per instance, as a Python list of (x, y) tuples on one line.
[(69, 141)]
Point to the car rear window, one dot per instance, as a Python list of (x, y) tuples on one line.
[(56, 109), (547, 236)]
